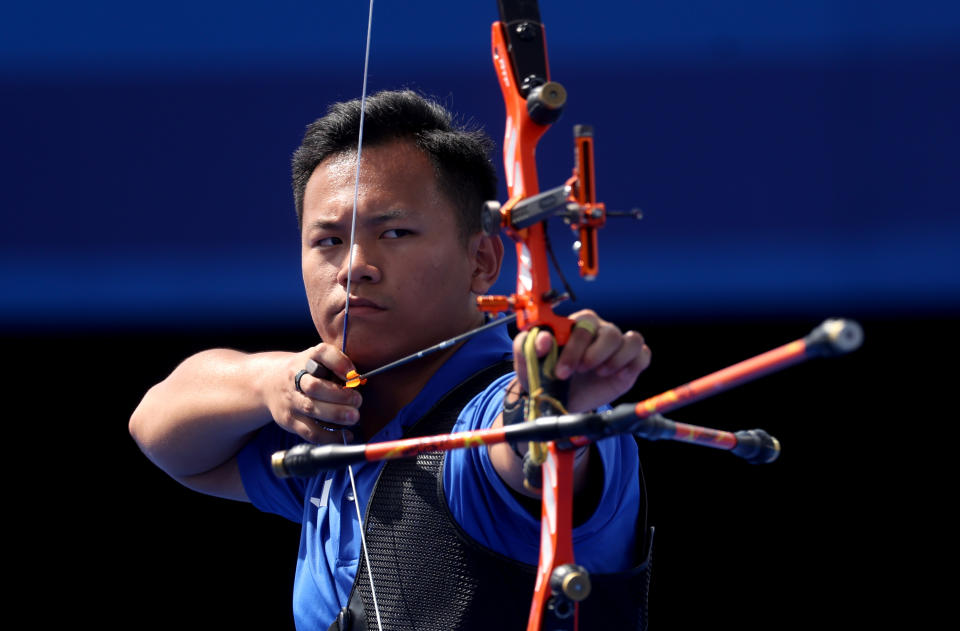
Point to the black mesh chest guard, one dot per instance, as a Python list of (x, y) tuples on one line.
[(430, 576)]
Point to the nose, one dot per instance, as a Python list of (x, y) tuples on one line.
[(359, 267)]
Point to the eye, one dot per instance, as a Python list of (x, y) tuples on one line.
[(396, 233), (326, 242)]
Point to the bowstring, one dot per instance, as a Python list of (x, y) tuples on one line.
[(346, 308)]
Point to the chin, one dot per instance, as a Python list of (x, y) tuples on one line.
[(377, 350), (367, 354)]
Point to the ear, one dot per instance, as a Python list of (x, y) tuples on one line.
[(487, 255)]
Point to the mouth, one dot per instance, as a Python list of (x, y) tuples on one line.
[(364, 305)]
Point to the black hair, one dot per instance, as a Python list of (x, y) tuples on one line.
[(460, 156)]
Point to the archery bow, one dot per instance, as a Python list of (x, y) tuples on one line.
[(533, 102)]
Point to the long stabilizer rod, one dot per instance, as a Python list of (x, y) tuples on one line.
[(644, 419)]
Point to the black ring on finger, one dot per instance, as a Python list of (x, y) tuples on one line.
[(296, 381)]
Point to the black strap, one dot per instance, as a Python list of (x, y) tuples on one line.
[(404, 496)]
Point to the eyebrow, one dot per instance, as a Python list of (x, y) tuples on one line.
[(374, 220)]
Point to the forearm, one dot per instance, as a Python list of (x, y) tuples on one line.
[(508, 461), (203, 413)]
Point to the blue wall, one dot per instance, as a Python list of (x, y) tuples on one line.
[(793, 158)]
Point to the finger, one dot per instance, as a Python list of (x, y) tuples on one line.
[(633, 353), (327, 357), (582, 335), (646, 356), (325, 390), (608, 342), (543, 343), (625, 378), (519, 364), (329, 413), (317, 431)]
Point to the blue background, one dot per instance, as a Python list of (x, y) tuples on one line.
[(794, 160)]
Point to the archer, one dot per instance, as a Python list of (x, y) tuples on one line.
[(419, 260)]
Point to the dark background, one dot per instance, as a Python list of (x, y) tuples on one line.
[(794, 161)]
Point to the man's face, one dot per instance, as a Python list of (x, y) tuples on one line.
[(413, 279)]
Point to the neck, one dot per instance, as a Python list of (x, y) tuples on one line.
[(388, 393)]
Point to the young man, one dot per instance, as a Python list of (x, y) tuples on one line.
[(419, 261)]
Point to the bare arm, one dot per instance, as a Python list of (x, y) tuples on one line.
[(193, 423)]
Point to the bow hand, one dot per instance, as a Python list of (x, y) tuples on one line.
[(600, 361)]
